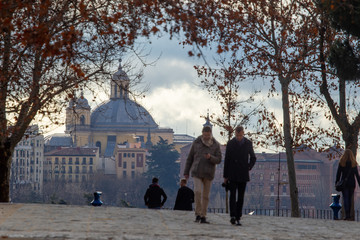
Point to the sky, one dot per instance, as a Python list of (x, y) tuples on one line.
[(174, 97)]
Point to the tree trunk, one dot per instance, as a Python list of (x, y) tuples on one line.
[(289, 151), (5, 166)]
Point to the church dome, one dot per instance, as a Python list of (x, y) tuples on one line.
[(122, 113)]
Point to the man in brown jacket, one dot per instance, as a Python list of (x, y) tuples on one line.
[(204, 154)]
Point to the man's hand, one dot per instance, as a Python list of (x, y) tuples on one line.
[(207, 156)]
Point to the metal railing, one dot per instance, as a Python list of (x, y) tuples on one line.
[(304, 213)]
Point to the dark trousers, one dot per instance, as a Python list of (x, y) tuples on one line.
[(347, 195), (236, 204)]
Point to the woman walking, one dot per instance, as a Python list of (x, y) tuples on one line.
[(347, 171)]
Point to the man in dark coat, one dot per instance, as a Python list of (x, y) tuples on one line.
[(184, 198), (153, 195), (236, 171)]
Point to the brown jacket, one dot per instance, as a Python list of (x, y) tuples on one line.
[(199, 165)]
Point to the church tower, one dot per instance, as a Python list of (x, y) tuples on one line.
[(120, 84), (77, 117)]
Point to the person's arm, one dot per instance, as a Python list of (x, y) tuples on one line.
[(252, 156), (164, 197), (338, 174), (216, 159), (177, 201), (226, 162), (189, 161), (146, 197)]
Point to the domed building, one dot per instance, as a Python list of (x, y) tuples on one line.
[(117, 121)]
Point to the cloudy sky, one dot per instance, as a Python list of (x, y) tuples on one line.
[(174, 97)]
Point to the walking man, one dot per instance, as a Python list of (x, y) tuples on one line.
[(204, 154), (239, 160), (185, 197), (153, 195)]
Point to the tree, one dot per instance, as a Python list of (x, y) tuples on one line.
[(339, 57), (276, 38), (50, 48), (162, 163), (223, 85)]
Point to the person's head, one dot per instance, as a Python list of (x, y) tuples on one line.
[(155, 180), (183, 182), (239, 133), (348, 156), (206, 133)]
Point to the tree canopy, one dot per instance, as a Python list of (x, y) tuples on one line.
[(162, 164), (48, 49)]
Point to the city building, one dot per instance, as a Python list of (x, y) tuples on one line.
[(130, 159), (116, 121), (27, 162), (70, 164), (181, 140)]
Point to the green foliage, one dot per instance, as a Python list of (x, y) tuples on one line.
[(344, 15), (342, 57), (162, 164)]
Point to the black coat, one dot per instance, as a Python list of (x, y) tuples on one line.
[(153, 195), (343, 172), (239, 159), (184, 199)]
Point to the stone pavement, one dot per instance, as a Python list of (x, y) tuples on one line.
[(40, 221)]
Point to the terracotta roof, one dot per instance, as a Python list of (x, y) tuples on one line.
[(69, 151)]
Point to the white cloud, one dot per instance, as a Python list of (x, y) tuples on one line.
[(180, 108)]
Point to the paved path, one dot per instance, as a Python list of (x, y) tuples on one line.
[(39, 221)]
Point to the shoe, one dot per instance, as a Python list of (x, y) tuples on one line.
[(232, 220), (197, 219), (203, 220), (238, 223)]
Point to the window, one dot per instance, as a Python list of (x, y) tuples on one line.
[(124, 174), (98, 144), (77, 162), (70, 161), (124, 165), (84, 161), (284, 190), (84, 169), (132, 165), (56, 160), (82, 120), (272, 177), (90, 169), (133, 155), (124, 155), (272, 202), (91, 161), (70, 178), (70, 169), (272, 188), (132, 174), (63, 161), (77, 170)]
